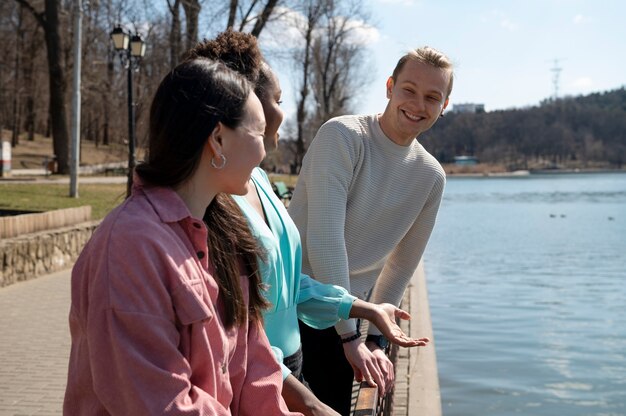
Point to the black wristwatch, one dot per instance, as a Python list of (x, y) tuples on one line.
[(379, 340)]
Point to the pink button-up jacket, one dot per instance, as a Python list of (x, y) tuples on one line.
[(147, 334)]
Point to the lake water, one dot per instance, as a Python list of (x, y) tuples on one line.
[(527, 289)]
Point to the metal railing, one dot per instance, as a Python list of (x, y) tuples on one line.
[(416, 390)]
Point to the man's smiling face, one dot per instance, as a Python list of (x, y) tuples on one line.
[(416, 99)]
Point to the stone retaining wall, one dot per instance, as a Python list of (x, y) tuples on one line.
[(16, 225), (30, 255)]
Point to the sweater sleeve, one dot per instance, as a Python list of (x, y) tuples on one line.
[(328, 170), (403, 260)]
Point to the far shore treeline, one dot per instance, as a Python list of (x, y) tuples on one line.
[(578, 132)]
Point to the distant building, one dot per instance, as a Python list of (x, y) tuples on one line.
[(465, 160), (468, 108)]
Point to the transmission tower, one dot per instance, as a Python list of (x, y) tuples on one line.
[(556, 72)]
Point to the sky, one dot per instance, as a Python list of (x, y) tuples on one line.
[(504, 51)]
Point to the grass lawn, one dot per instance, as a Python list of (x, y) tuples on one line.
[(46, 197), (102, 197)]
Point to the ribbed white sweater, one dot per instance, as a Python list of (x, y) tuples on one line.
[(365, 208)]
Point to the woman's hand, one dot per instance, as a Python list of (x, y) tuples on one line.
[(366, 365)]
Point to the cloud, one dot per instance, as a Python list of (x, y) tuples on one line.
[(579, 18), (361, 33), (583, 83), (286, 31), (283, 32), (509, 25)]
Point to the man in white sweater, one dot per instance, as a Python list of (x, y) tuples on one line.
[(365, 204)]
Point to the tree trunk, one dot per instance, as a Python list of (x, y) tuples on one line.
[(175, 33), (192, 10), (313, 14), (263, 17), (29, 84), (58, 116), (107, 100), (15, 136), (49, 21), (232, 14)]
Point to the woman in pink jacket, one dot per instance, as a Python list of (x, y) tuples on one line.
[(162, 322)]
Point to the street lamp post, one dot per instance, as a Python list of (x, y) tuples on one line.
[(130, 49)]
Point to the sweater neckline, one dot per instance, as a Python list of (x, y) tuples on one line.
[(385, 141)]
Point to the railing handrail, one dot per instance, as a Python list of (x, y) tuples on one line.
[(367, 401)]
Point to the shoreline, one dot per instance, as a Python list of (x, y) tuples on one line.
[(478, 171)]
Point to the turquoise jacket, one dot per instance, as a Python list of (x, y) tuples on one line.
[(293, 295)]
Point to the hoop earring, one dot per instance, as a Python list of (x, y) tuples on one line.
[(221, 166), (441, 115)]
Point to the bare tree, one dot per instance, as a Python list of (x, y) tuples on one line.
[(338, 58), (329, 64), (312, 11), (324, 56), (49, 21)]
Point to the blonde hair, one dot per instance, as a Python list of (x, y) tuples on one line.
[(429, 56)]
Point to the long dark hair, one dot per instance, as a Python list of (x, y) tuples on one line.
[(189, 103)]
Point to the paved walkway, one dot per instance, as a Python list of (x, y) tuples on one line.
[(34, 345)]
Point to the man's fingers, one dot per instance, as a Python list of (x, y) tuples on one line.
[(405, 341), (388, 372), (423, 341), (402, 314), (378, 377), (358, 375), (370, 381)]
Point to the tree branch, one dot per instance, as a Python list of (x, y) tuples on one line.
[(39, 16), (264, 17)]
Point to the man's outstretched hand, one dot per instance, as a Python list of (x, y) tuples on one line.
[(385, 320)]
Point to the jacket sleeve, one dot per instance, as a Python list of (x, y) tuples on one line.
[(261, 392)]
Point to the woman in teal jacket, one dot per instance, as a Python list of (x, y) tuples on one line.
[(292, 294)]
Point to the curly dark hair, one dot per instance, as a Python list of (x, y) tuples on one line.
[(237, 50)]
